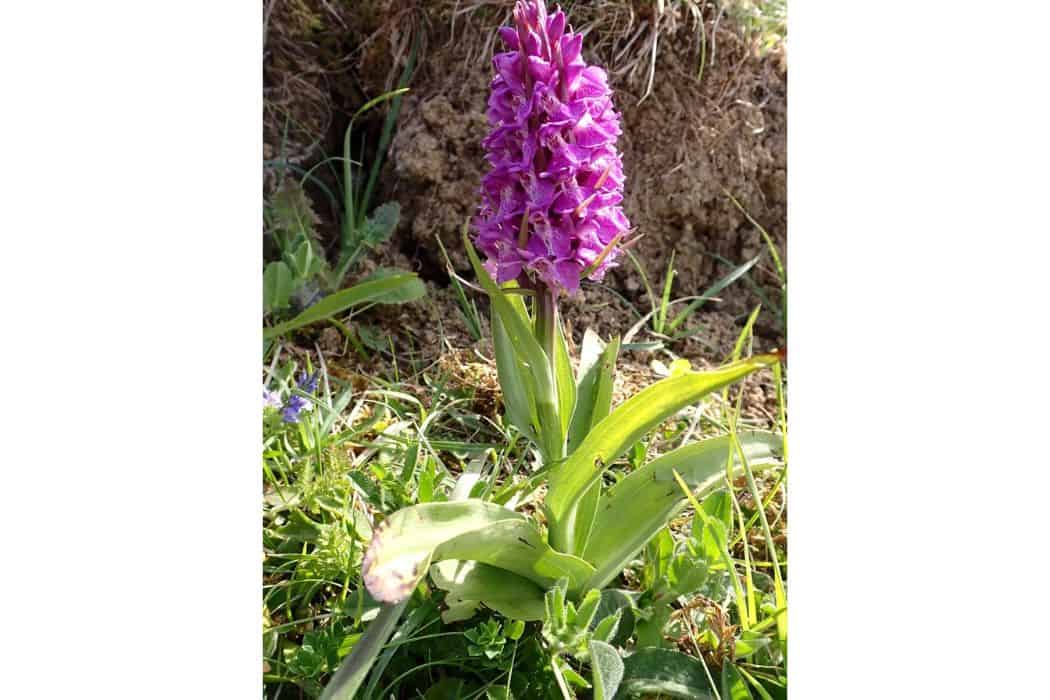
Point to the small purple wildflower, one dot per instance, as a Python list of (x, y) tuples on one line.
[(270, 399), (550, 204), (297, 404), (308, 382), (293, 407)]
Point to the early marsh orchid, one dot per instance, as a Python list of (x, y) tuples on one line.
[(550, 210)]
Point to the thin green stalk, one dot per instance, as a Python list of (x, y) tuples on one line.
[(388, 126), (661, 317), (546, 318), (354, 669), (546, 332)]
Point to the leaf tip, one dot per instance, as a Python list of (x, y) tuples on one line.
[(393, 581)]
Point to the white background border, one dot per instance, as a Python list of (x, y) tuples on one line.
[(918, 393)]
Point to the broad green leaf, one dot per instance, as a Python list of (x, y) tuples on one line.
[(516, 383), (410, 290), (343, 300), (529, 352), (611, 437), (650, 626), (659, 553), (593, 387), (301, 528), (661, 671), (748, 643), (586, 514), (470, 582), (606, 670), (634, 510), (733, 685), (277, 286), (405, 544)]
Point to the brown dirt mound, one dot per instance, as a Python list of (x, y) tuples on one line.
[(690, 140)]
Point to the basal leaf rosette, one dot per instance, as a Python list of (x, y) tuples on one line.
[(551, 201)]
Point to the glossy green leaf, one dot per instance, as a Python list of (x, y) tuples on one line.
[(606, 670), (606, 629), (410, 290), (594, 386), (611, 437), (404, 545), (343, 300), (586, 513), (469, 582), (516, 383), (668, 673), (748, 643), (528, 350), (634, 510), (734, 687)]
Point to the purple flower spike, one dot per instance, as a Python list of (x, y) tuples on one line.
[(550, 204)]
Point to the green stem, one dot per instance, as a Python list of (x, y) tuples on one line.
[(545, 312), (546, 320)]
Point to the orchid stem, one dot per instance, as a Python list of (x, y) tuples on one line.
[(546, 320), (546, 330)]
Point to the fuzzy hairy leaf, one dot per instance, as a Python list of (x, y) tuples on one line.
[(606, 670), (634, 510), (277, 286), (405, 544), (611, 437), (668, 673), (380, 226)]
